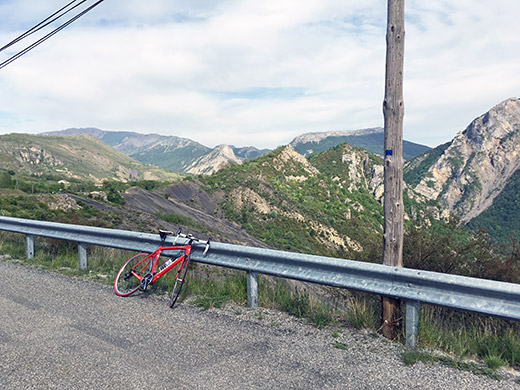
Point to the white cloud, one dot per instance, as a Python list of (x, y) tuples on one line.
[(461, 59), (211, 71)]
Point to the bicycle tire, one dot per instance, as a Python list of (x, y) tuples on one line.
[(125, 283), (179, 282)]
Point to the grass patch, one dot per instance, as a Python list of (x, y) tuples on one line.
[(320, 316), (362, 314), (12, 244), (411, 357), (296, 304), (215, 292), (495, 341), (493, 361), (280, 296), (340, 345)]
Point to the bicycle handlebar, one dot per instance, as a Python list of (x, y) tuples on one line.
[(190, 237)]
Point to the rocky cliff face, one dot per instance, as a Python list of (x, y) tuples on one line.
[(319, 136), (475, 167), (220, 157)]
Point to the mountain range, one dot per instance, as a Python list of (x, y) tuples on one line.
[(333, 199), (169, 152), (184, 155), (330, 200), (370, 139)]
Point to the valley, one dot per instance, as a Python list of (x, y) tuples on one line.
[(328, 202)]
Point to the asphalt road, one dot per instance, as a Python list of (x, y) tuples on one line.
[(58, 332)]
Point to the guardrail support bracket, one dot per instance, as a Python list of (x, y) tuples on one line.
[(412, 323), (82, 255), (29, 246), (252, 289)]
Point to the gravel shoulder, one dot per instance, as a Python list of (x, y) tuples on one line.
[(58, 332)]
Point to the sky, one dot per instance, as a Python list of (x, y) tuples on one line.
[(249, 72)]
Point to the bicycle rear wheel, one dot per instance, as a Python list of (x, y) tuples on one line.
[(126, 281), (179, 280)]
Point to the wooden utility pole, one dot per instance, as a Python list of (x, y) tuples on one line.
[(393, 110)]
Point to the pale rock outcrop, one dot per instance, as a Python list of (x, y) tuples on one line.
[(218, 158), (476, 166)]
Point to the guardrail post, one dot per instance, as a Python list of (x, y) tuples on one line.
[(252, 289), (82, 255), (29, 246), (412, 323)]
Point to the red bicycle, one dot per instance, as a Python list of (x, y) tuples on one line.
[(139, 271)]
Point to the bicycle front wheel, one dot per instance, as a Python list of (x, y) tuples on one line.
[(179, 280), (127, 281)]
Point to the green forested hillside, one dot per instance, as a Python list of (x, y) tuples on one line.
[(323, 205), (169, 157), (502, 219), (73, 158), (418, 167)]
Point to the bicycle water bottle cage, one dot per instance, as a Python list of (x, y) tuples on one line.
[(206, 248), (177, 235), (145, 281)]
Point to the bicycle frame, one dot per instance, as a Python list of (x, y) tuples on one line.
[(155, 256)]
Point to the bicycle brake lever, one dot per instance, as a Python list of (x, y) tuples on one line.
[(206, 248)]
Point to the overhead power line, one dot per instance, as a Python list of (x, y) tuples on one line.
[(43, 23), (56, 15)]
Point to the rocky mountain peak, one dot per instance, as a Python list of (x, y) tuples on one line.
[(219, 157), (501, 121), (289, 158), (225, 150), (477, 164)]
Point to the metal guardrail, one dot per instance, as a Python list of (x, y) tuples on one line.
[(498, 299)]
